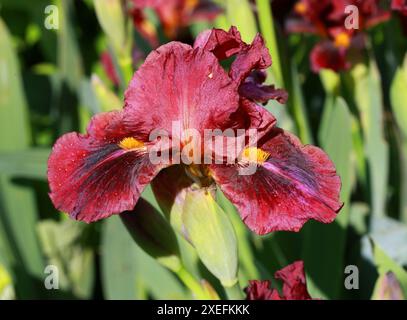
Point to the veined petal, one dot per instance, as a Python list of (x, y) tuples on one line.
[(91, 177), (292, 185), (250, 60), (179, 83)]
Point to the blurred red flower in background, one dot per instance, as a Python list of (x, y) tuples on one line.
[(294, 285), (173, 15), (328, 20)]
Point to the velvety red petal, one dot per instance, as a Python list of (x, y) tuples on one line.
[(179, 83), (223, 44), (294, 281), (297, 183), (326, 56), (261, 290), (91, 177), (260, 119), (252, 57), (249, 60)]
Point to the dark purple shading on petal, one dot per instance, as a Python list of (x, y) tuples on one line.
[(254, 89), (263, 93), (91, 177)]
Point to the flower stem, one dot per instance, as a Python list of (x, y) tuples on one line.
[(234, 292), (191, 284)]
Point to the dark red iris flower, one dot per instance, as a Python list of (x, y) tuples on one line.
[(173, 15), (294, 285), (327, 19), (401, 7), (103, 172)]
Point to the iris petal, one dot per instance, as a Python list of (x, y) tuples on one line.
[(91, 177), (295, 184)]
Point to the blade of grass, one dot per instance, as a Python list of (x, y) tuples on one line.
[(324, 245), (398, 100), (16, 164), (370, 104), (266, 22), (20, 216)]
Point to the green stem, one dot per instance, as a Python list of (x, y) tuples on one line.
[(191, 284), (267, 29), (234, 292)]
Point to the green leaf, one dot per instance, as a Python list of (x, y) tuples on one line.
[(18, 206), (297, 106), (391, 236), (128, 272), (106, 98), (212, 234), (119, 262), (6, 285), (64, 247), (398, 95), (69, 58), (110, 14), (240, 14), (70, 72), (330, 80), (29, 163), (370, 104), (325, 259), (268, 31), (111, 17), (246, 256)]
